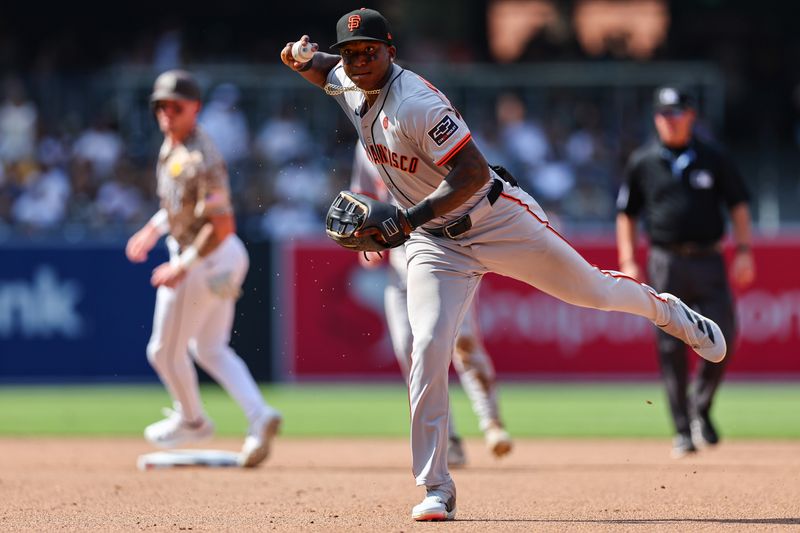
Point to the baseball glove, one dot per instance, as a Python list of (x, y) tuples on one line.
[(360, 223)]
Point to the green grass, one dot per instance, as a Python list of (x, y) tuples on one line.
[(530, 410)]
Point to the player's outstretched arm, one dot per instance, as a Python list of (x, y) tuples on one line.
[(317, 68), (469, 171)]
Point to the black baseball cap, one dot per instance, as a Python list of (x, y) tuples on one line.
[(175, 85), (362, 25), (673, 97)]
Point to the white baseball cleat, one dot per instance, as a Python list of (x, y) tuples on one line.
[(456, 456), (437, 506), (498, 441), (175, 431), (258, 442), (699, 332)]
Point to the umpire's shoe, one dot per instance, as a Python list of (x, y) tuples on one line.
[(699, 332), (682, 446), (703, 432), (438, 505)]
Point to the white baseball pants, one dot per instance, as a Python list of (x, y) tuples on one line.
[(197, 317)]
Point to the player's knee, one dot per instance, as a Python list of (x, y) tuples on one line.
[(208, 356), (156, 355), (465, 345)]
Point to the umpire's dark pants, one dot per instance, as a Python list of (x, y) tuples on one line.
[(699, 279)]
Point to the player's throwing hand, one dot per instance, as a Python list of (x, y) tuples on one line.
[(288, 58)]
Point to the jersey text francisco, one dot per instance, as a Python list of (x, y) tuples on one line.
[(382, 155)]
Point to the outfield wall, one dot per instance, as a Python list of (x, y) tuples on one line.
[(308, 311), (334, 327), (84, 313)]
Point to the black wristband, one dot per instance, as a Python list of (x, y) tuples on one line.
[(419, 214), (742, 248), (306, 65)]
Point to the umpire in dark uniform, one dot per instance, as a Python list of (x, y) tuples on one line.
[(681, 186)]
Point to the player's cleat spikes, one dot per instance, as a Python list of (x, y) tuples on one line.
[(258, 442), (175, 431), (456, 456), (437, 506), (498, 441), (699, 332)]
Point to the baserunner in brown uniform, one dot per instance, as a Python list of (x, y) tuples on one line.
[(198, 287)]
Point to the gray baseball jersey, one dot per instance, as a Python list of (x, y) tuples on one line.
[(411, 132)]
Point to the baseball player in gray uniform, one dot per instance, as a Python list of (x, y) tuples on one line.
[(462, 219), (470, 359), (198, 287)]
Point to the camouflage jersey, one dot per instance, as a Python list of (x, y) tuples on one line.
[(187, 173)]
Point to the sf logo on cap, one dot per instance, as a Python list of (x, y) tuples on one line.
[(354, 22)]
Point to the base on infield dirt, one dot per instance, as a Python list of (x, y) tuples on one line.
[(173, 458)]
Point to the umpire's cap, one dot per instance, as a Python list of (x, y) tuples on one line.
[(673, 97), (175, 85), (362, 25)]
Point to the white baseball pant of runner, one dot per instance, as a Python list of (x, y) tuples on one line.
[(473, 375), (197, 316), (511, 238)]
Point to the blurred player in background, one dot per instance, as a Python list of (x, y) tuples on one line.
[(680, 185), (198, 287), (472, 363)]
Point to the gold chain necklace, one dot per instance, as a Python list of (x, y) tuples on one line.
[(336, 90)]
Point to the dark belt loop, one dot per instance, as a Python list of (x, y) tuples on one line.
[(494, 192), (505, 175)]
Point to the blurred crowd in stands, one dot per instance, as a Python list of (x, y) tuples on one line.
[(77, 157), (88, 182)]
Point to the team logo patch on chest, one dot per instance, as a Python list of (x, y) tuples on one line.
[(386, 123), (443, 130), (175, 169)]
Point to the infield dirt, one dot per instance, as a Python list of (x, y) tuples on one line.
[(49, 484)]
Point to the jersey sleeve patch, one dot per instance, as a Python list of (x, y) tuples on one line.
[(442, 131)]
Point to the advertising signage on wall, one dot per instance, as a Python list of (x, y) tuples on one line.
[(86, 313), (336, 329), (69, 313)]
